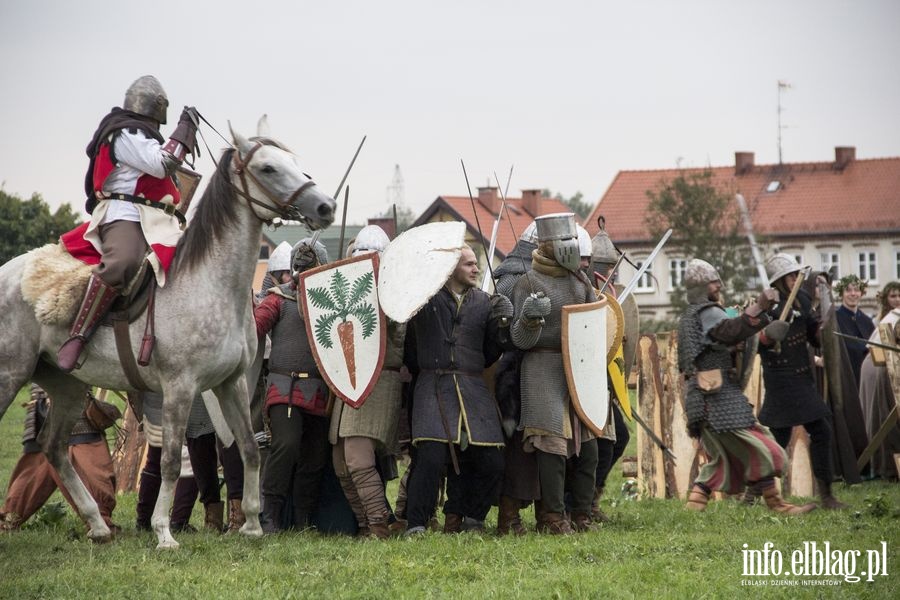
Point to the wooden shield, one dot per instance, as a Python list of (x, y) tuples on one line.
[(345, 325), (584, 358)]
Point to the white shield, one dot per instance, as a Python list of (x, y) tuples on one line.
[(345, 325), (584, 358), (416, 265)]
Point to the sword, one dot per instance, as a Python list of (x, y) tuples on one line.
[(516, 237), (867, 342), (754, 247), (634, 280), (648, 431), (315, 237), (485, 282), (612, 273)]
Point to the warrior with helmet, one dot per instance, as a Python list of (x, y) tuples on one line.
[(296, 401), (550, 425), (791, 395), (741, 452), (133, 202)]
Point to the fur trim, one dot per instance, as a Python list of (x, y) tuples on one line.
[(54, 283)]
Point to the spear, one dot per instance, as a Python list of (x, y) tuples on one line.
[(343, 222), (475, 212)]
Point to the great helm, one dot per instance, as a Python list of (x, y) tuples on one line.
[(370, 238), (147, 97), (559, 230), (697, 274), (280, 259), (780, 265)]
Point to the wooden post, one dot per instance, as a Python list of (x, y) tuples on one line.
[(651, 468), (130, 453)]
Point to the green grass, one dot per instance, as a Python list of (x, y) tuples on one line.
[(652, 549)]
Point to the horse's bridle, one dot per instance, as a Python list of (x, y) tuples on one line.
[(284, 209)]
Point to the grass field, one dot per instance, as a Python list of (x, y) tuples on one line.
[(652, 549)]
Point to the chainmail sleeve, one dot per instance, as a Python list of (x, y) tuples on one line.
[(525, 332)]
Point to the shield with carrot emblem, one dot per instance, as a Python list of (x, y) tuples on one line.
[(345, 325)]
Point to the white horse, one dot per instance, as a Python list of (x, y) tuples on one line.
[(205, 330)]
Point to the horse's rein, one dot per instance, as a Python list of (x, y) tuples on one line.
[(284, 209)]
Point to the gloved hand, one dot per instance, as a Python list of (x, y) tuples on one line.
[(777, 330), (536, 306), (186, 131), (304, 258), (766, 300), (501, 307)]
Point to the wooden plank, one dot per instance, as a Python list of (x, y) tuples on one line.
[(799, 480), (650, 463)]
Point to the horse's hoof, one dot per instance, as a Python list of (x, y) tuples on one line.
[(100, 536), (255, 531), (167, 545)]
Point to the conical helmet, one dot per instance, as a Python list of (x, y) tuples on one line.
[(602, 249), (147, 97), (370, 238), (584, 241), (280, 259)]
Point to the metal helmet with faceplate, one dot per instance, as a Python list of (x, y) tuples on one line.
[(779, 265), (147, 97), (559, 230)]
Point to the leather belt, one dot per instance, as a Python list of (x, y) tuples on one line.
[(452, 372), (169, 209)]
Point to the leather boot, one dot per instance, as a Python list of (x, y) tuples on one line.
[(752, 493), (508, 520), (698, 499), (828, 501), (582, 522), (97, 300), (236, 518), (214, 517), (555, 524), (273, 509), (452, 523), (378, 527), (776, 503), (597, 515)]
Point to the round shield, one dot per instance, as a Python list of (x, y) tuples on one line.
[(416, 265)]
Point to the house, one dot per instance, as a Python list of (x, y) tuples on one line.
[(517, 216), (842, 215)]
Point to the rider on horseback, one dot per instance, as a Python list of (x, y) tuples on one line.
[(132, 199)]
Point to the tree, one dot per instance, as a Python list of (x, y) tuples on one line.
[(28, 224), (706, 224), (576, 203)]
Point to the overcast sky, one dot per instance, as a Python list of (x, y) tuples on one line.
[(568, 92)]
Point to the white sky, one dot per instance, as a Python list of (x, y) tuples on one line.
[(568, 92)]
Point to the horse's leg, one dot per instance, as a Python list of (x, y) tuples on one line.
[(67, 400), (176, 408), (235, 404), (19, 352)]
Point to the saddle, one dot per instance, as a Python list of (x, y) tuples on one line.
[(54, 283)]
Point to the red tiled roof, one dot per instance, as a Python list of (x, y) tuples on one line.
[(461, 208), (813, 198)]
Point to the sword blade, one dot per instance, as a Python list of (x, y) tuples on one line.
[(650, 433), (646, 265)]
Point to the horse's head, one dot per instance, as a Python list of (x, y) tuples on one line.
[(271, 179)]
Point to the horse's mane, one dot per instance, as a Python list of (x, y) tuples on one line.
[(213, 215)]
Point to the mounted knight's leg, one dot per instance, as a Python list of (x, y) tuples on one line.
[(123, 249)]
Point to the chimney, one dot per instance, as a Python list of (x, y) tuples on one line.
[(387, 224), (489, 198), (743, 162), (843, 156), (531, 202)]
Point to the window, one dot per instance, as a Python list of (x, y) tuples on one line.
[(263, 252), (799, 259), (831, 261), (897, 264), (676, 272), (645, 283), (867, 267)]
